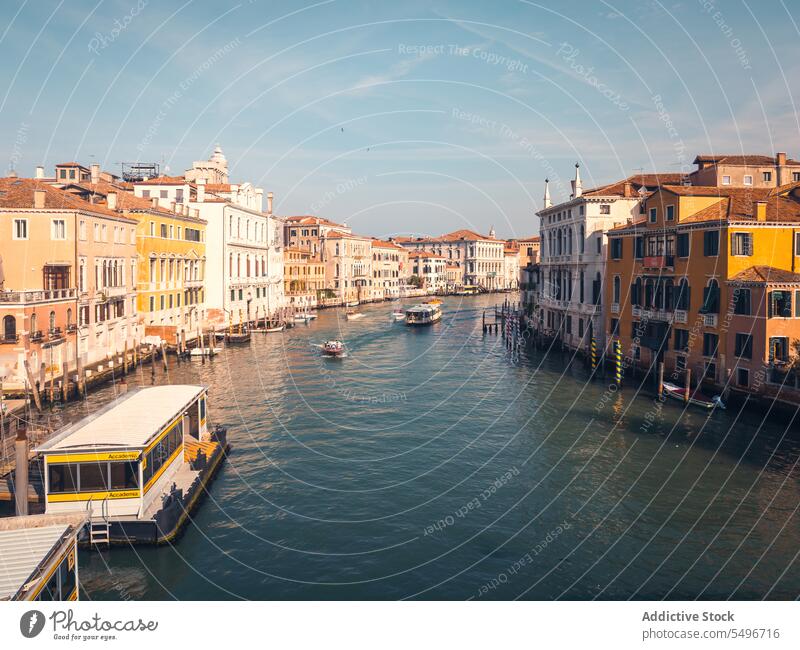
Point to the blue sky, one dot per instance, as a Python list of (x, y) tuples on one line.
[(399, 117)]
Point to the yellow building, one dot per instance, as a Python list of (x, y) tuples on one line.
[(303, 277), (171, 247), (704, 281)]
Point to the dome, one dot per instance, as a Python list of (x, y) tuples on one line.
[(218, 156)]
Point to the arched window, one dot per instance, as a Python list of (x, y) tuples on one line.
[(683, 301), (569, 241), (617, 289), (69, 317), (649, 294), (52, 322), (581, 244), (636, 293), (9, 328), (710, 298), (33, 323)]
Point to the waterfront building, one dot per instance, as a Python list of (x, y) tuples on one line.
[(244, 245), (573, 252), (481, 258), (738, 170), (72, 303), (511, 268), (170, 244), (429, 269), (39, 557), (389, 269), (705, 281), (306, 232), (304, 278), (348, 268), (528, 251)]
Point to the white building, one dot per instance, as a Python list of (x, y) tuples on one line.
[(480, 257), (244, 244), (573, 254), (430, 269)]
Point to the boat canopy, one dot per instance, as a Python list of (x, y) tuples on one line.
[(127, 423)]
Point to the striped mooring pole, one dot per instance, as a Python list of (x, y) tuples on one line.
[(594, 353), (618, 360)]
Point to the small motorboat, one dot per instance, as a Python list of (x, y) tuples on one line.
[(697, 399), (204, 352), (352, 314), (304, 317), (333, 349), (398, 315), (353, 303)]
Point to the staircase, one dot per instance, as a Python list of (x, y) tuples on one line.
[(99, 528), (99, 532)]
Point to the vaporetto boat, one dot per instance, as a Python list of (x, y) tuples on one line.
[(424, 314)]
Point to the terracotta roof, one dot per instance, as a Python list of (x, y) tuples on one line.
[(164, 180), (19, 193), (311, 220), (125, 200), (386, 244), (534, 238), (629, 187), (218, 187), (767, 275), (70, 164), (738, 203), (740, 159), (346, 235), (413, 254)]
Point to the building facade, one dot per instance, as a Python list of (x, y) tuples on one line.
[(72, 302), (304, 279), (705, 282), (348, 268), (429, 270), (389, 269), (573, 253)]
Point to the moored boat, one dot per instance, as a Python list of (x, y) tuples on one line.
[(353, 315), (695, 399), (424, 314), (204, 352), (237, 338)]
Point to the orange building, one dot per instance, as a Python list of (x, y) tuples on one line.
[(704, 281), (68, 296)]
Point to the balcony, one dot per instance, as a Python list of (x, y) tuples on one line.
[(710, 320), (615, 308), (681, 316), (658, 262), (35, 336), (36, 296), (8, 340), (193, 284)]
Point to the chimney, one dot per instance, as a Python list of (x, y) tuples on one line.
[(201, 190), (269, 203), (780, 165), (259, 199), (111, 199), (185, 209), (761, 210), (172, 206), (154, 201), (547, 201), (38, 199), (95, 168), (39, 171), (187, 193)]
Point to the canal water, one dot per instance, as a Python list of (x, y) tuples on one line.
[(433, 463)]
